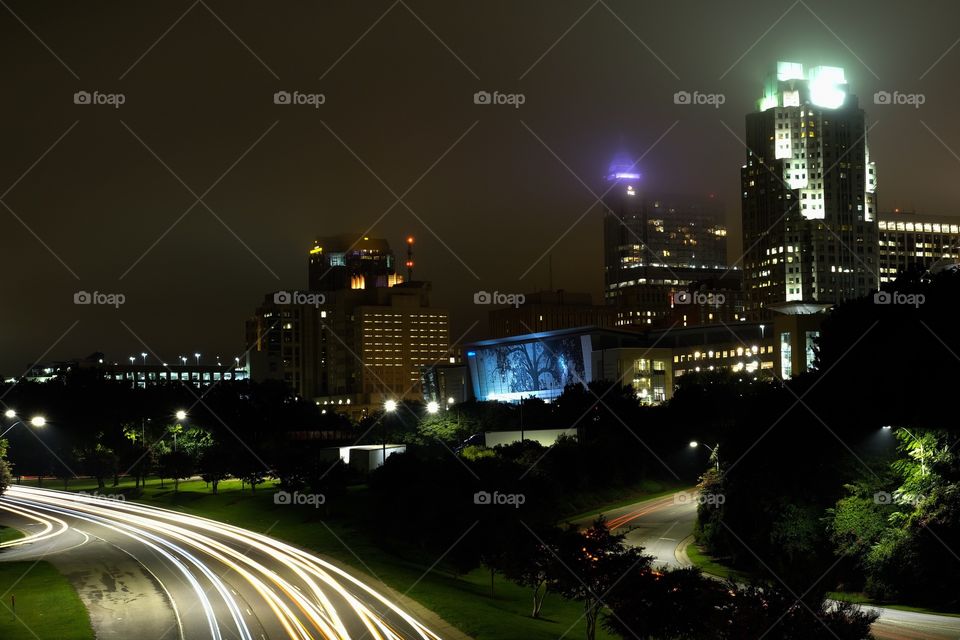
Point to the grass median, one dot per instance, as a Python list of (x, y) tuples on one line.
[(39, 602)]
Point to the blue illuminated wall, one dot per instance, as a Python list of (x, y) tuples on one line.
[(539, 367)]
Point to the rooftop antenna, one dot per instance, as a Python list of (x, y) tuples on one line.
[(409, 258)]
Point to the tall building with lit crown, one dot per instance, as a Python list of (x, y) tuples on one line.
[(809, 192), (656, 245), (351, 262), (358, 338)]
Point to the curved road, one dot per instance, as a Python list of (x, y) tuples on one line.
[(664, 526), (146, 572)]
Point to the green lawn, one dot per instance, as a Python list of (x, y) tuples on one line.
[(47, 607), (464, 602), (862, 598), (9, 533), (709, 564)]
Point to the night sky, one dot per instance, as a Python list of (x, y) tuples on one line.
[(485, 188)]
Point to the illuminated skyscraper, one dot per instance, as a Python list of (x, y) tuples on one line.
[(351, 262), (656, 244), (808, 192)]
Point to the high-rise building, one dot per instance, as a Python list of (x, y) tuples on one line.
[(913, 242), (359, 348), (351, 262), (655, 245), (808, 192)]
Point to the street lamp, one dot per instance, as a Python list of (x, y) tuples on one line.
[(389, 406), (35, 421), (144, 356), (197, 356), (713, 450), (181, 415), (432, 406), (132, 358), (183, 360)]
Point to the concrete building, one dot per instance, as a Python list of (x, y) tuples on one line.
[(357, 349), (910, 241), (809, 190), (137, 372)]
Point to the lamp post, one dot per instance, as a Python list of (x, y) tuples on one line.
[(713, 450), (144, 356), (181, 416), (389, 407), (197, 356), (35, 421)]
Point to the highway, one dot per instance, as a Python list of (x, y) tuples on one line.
[(146, 572), (663, 526)]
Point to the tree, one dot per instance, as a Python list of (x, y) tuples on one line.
[(591, 563), (214, 465), (6, 476), (530, 562), (176, 464)]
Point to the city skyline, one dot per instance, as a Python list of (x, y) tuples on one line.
[(92, 181)]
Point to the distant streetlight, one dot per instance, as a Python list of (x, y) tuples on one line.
[(10, 413), (197, 356), (450, 400), (390, 406), (433, 406), (713, 450), (144, 356), (38, 421), (132, 359), (181, 415)]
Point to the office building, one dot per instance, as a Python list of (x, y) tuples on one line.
[(655, 245), (356, 349), (913, 242), (351, 262), (809, 189)]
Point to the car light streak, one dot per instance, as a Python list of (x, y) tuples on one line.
[(305, 587)]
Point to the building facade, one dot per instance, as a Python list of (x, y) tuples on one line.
[(913, 242), (656, 244), (359, 348), (809, 190)]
